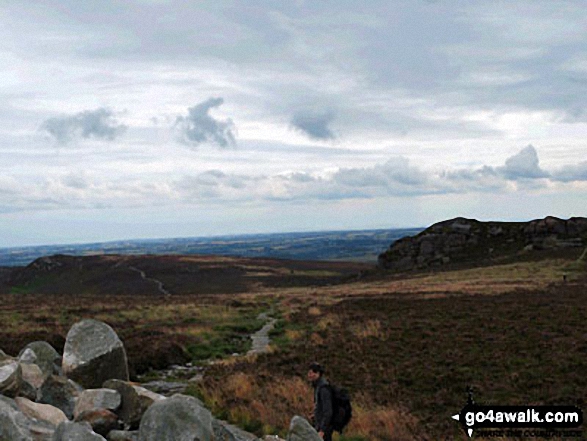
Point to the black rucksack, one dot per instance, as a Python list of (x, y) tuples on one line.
[(342, 411)]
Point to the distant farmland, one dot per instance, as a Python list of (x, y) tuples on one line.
[(360, 246)]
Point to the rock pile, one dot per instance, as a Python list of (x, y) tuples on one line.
[(86, 395), (468, 240)]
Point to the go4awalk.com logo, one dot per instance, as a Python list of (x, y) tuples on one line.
[(520, 421)]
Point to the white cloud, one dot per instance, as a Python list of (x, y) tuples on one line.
[(524, 165)]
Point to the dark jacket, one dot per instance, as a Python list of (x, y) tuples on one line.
[(322, 405)]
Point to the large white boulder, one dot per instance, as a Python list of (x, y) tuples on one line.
[(93, 353)]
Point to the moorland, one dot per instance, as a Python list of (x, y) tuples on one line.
[(405, 344)]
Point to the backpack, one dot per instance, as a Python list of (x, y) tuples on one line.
[(342, 411)]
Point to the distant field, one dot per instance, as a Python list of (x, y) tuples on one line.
[(363, 246)]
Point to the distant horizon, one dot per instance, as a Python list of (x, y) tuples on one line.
[(264, 233), (212, 236)]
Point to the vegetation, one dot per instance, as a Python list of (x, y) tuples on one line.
[(406, 346)]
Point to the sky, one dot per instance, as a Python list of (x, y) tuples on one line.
[(155, 118)]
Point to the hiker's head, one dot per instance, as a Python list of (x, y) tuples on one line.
[(315, 371)]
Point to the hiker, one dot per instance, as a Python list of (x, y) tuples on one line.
[(322, 417)]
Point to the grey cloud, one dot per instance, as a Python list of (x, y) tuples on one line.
[(199, 127), (524, 165), (570, 173), (99, 124), (313, 124)]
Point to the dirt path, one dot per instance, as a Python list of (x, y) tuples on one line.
[(261, 339), (159, 283)]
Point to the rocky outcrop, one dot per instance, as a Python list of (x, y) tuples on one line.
[(463, 240), (93, 353)]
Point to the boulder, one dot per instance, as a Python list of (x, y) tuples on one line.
[(103, 421), (47, 358), (179, 418), (91, 399), (33, 375), (27, 356), (135, 400), (10, 377), (93, 353), (38, 411), (227, 432), (16, 426), (13, 423), (123, 435), (301, 430), (61, 393), (68, 431)]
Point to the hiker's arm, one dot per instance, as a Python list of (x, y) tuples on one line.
[(326, 401)]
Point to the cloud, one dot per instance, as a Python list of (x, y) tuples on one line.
[(523, 165), (99, 124), (570, 173), (315, 125), (199, 127), (395, 172)]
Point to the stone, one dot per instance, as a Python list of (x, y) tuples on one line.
[(93, 354), (10, 378), (61, 393), (33, 375), (71, 431), (27, 356), (15, 425), (227, 432), (179, 418), (123, 435), (91, 399), (47, 358), (43, 412), (301, 430), (103, 421), (135, 400)]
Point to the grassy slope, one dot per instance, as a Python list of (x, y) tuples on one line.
[(408, 356)]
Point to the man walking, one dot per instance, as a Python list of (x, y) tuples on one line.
[(322, 402)]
